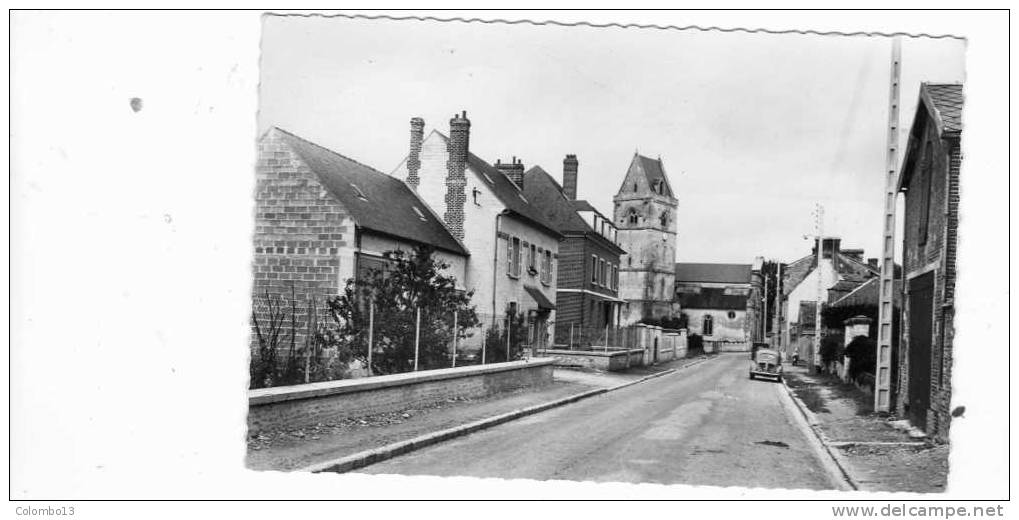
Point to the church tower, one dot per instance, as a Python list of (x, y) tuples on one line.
[(645, 216)]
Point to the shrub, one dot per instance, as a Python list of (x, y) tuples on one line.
[(831, 349), (862, 354)]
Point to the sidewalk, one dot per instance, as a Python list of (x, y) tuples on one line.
[(876, 454), (300, 448)]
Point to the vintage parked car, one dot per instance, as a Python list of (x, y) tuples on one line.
[(766, 363)]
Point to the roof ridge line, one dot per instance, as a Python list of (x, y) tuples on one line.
[(316, 145)]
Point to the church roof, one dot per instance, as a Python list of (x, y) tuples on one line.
[(713, 273), (654, 171), (711, 298)]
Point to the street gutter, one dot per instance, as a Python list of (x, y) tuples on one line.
[(835, 463), (369, 457)]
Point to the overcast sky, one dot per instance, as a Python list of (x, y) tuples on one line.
[(752, 129)]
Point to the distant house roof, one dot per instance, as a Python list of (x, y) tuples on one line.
[(849, 268), (711, 298), (713, 273), (542, 191), (867, 294), (374, 200)]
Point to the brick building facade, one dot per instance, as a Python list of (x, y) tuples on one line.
[(587, 280), (930, 181)]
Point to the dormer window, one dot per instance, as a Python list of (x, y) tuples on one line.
[(420, 215), (358, 192)]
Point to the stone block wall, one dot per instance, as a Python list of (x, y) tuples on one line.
[(303, 238)]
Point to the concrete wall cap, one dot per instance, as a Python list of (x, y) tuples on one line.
[(262, 396)]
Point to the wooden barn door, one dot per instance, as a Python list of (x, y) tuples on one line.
[(921, 332)]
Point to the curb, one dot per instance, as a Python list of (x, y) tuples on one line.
[(369, 457), (814, 425)]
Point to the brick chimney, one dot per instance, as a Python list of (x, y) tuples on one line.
[(456, 176), (830, 247), (417, 133), (514, 170), (570, 165), (872, 262)]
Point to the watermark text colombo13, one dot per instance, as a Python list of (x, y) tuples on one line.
[(891, 510), (44, 511)]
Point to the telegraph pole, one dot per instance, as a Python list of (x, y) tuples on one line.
[(819, 237), (882, 383), (778, 309), (764, 316)]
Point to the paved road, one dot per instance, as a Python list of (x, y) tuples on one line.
[(705, 425)]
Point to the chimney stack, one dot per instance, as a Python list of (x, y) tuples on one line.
[(570, 166), (456, 176), (872, 262), (417, 133), (514, 170)]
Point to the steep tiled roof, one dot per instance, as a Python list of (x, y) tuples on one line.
[(711, 298), (866, 294), (713, 273), (654, 172), (947, 101), (507, 192), (543, 192), (388, 205)]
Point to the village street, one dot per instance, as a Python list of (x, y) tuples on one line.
[(708, 425)]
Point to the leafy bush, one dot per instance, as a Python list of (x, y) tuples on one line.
[(831, 349), (862, 352), (279, 361), (407, 283), (495, 339)]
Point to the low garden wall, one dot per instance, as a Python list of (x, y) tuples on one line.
[(604, 360), (304, 405)]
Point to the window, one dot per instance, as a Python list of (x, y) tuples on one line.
[(514, 257), (635, 186), (546, 267), (532, 259), (664, 218), (732, 315), (594, 269), (706, 328), (633, 217), (601, 272), (925, 201)]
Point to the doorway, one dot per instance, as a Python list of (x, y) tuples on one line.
[(921, 331)]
